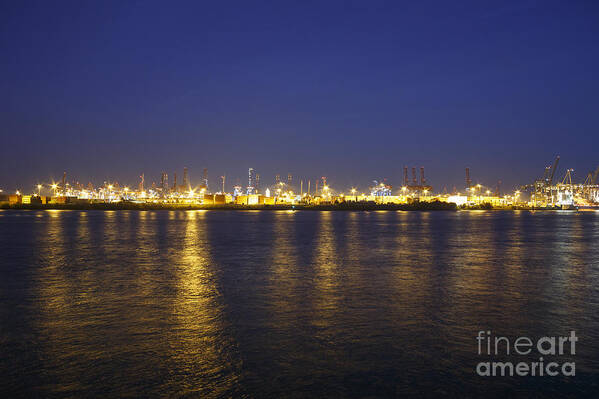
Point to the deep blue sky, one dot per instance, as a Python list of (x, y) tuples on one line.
[(350, 90)]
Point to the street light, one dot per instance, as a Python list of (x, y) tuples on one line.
[(39, 190)]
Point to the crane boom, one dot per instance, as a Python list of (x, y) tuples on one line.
[(553, 168), (595, 176), (546, 174)]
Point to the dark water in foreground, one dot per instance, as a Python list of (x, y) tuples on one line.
[(282, 304)]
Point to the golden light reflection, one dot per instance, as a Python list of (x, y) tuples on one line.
[(93, 312), (327, 298), (470, 256), (200, 339), (573, 272), (410, 280), (284, 274), (57, 289)]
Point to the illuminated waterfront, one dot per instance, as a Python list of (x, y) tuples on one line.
[(543, 193), (254, 304)]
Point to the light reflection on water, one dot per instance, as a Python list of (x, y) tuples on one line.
[(246, 304)]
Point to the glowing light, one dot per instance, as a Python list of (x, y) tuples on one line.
[(459, 200)]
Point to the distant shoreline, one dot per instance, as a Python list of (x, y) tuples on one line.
[(344, 206), (365, 207), (347, 206)]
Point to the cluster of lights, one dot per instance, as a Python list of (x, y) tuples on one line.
[(111, 193), (476, 194)]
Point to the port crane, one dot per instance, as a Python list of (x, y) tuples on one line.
[(568, 177), (553, 169), (542, 189), (595, 176)]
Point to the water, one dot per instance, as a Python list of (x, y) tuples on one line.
[(289, 304)]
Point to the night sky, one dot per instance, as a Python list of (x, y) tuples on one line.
[(349, 90)]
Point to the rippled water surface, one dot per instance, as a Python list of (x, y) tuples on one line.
[(289, 304)]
